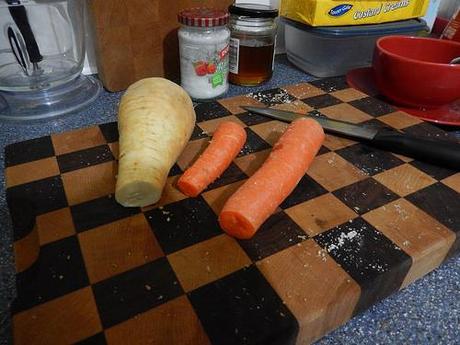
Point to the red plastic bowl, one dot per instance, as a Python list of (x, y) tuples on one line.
[(415, 71)]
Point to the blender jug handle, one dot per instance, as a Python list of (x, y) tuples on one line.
[(19, 15), (16, 48)]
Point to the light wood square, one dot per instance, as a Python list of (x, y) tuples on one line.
[(118, 247), (64, 320), (174, 322), (170, 194), (33, 171), (320, 294), (295, 106), (345, 112), (404, 179), (303, 90), (249, 164), (55, 225), (210, 126), (320, 214), (90, 183), (208, 261), (216, 198), (453, 182), (191, 152), (344, 173), (77, 140), (399, 120), (419, 235), (334, 143), (348, 95), (114, 147), (234, 104), (270, 131)]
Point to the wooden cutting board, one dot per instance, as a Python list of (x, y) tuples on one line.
[(362, 224), (138, 38)]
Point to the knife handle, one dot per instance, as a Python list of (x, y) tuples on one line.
[(443, 153)]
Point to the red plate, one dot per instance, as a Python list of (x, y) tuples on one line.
[(362, 79)]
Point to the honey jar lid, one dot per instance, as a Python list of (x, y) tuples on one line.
[(203, 17), (253, 10)]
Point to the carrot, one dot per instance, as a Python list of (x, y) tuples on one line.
[(227, 141), (246, 210)]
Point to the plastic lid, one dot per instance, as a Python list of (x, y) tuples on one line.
[(203, 17), (253, 10), (391, 28)]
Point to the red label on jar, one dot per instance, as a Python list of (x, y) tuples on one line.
[(223, 53)]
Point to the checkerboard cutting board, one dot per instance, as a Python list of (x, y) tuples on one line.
[(362, 224)]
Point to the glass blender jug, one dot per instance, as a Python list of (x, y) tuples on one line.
[(42, 50)]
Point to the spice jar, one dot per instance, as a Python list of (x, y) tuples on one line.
[(252, 43), (203, 44)]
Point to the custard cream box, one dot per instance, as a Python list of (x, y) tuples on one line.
[(351, 12)]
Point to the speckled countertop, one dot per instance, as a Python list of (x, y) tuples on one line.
[(427, 312)]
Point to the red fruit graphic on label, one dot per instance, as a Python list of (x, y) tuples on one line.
[(212, 68), (201, 68)]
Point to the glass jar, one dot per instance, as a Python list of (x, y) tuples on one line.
[(203, 45), (252, 43), (43, 45)]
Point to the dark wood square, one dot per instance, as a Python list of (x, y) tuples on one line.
[(99, 212), (45, 195), (323, 150), (376, 263), (277, 233), (251, 119), (365, 195), (109, 131), (429, 131), (183, 223), (306, 189), (372, 106), (232, 174), (242, 308), (273, 96), (123, 296), (27, 151), (440, 202), (198, 133), (84, 158), (369, 159), (254, 143), (22, 213), (210, 110), (331, 84), (58, 271), (175, 170), (321, 101), (435, 171)]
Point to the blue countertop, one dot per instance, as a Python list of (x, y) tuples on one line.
[(426, 312)]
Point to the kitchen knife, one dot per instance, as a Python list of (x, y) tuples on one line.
[(443, 153)]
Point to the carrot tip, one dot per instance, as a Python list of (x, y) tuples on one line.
[(188, 188)]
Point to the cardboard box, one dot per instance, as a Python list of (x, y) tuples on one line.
[(351, 12)]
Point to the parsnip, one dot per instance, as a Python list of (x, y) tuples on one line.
[(155, 121)]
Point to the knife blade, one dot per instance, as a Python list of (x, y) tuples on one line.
[(437, 152)]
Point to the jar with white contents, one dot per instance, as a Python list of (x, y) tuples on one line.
[(203, 45)]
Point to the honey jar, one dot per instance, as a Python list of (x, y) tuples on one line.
[(252, 43)]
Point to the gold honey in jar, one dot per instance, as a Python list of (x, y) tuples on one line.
[(252, 43)]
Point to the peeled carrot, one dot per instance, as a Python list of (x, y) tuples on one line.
[(227, 141), (247, 209)]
